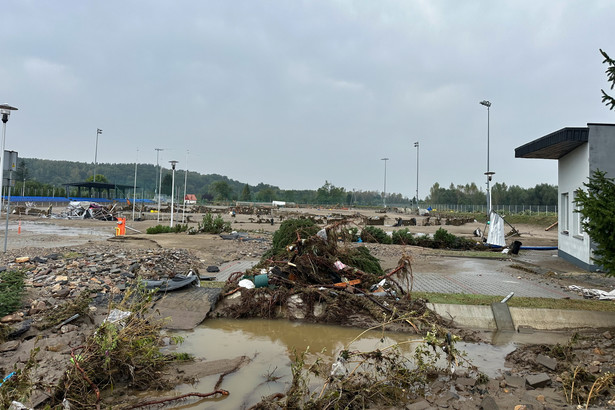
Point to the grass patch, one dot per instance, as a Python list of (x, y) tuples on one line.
[(536, 303)]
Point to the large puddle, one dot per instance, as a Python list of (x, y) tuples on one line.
[(272, 345)]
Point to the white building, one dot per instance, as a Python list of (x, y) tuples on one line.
[(578, 151)]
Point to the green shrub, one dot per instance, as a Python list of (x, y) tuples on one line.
[(290, 230), (166, 229), (403, 237), (214, 225), (11, 291), (371, 234), (362, 259)]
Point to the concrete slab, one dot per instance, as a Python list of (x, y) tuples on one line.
[(481, 317), (185, 309), (501, 314)]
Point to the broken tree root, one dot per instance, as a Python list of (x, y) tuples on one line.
[(183, 396)]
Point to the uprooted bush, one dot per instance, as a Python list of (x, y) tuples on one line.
[(11, 291), (124, 350), (441, 239), (371, 234)]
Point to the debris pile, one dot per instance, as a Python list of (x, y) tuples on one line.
[(308, 274), (86, 210)]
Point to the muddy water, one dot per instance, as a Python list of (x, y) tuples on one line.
[(271, 346)]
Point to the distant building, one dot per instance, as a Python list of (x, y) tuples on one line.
[(579, 152), (190, 199)]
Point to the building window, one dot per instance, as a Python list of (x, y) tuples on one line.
[(577, 218), (564, 217)]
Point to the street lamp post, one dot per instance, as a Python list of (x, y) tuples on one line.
[(98, 132), (489, 174), (416, 145), (185, 185), (5, 110), (173, 163), (134, 188), (384, 198), (158, 179)]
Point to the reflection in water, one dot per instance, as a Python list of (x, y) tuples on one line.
[(272, 343)]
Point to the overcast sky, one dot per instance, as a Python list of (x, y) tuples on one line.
[(293, 93)]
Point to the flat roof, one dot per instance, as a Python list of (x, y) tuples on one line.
[(555, 145)]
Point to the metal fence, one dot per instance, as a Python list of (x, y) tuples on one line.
[(506, 209)]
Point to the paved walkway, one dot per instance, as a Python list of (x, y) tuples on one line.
[(482, 277)]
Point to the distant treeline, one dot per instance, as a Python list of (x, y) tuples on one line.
[(41, 177)]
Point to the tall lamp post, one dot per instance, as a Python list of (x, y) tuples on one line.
[(416, 145), (134, 188), (384, 198), (185, 185), (488, 173), (5, 110), (173, 163), (98, 132), (158, 179)]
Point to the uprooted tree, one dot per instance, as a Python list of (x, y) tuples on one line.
[(597, 207)]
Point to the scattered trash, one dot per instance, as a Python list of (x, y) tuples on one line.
[(246, 283), (593, 293), (213, 269), (175, 283)]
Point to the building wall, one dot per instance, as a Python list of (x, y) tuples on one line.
[(602, 148), (573, 244)]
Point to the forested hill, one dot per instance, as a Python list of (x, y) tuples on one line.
[(56, 173)]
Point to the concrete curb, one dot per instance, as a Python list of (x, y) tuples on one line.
[(481, 317)]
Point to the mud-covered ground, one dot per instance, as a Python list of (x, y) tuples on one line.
[(101, 262)]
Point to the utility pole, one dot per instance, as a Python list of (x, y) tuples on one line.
[(158, 178)]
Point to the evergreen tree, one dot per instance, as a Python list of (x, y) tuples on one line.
[(610, 75), (246, 195), (597, 206)]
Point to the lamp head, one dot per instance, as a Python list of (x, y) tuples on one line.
[(485, 103), (5, 110), (173, 163)]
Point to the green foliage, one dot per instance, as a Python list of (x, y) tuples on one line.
[(166, 184), (221, 190), (371, 234), (470, 194), (610, 75), (443, 239), (11, 291), (125, 351), (99, 178), (166, 229), (597, 206), (246, 195), (403, 237), (214, 225), (289, 232), (362, 259)]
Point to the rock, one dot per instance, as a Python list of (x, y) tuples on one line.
[(546, 361), (607, 335), (488, 403), (68, 328), (9, 346), (15, 317), (20, 329), (62, 293), (514, 381), (538, 380), (419, 405)]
